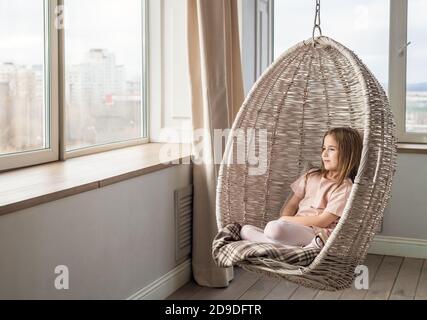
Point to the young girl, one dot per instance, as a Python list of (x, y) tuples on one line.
[(319, 196)]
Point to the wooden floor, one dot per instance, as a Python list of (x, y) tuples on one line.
[(389, 278)]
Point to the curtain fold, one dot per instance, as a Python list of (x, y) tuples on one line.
[(217, 94)]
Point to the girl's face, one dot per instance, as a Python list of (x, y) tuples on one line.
[(330, 154)]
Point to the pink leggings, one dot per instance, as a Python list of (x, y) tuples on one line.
[(281, 232)]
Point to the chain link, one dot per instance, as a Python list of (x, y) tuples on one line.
[(317, 19)]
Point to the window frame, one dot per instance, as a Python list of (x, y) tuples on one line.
[(51, 91), (144, 92), (398, 71)]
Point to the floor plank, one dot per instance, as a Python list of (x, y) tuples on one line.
[(188, 290), (406, 283), (373, 262), (260, 289), (421, 293), (384, 280), (397, 297), (282, 291), (328, 295), (304, 293)]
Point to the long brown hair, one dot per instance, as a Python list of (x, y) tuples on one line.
[(350, 146)]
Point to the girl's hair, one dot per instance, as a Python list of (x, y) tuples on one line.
[(350, 147)]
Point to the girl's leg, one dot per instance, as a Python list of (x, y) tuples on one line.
[(252, 233), (289, 233)]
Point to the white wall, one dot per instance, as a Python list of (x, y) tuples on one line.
[(406, 215), (115, 240)]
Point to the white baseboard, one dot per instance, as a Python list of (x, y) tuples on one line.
[(166, 285), (402, 247)]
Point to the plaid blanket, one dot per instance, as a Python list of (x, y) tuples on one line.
[(229, 249)]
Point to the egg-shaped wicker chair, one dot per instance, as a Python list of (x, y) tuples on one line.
[(316, 85)]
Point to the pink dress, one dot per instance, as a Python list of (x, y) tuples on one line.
[(320, 194)]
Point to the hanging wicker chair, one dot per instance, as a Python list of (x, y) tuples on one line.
[(316, 85)]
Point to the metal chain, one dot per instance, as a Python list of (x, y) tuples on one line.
[(317, 19)]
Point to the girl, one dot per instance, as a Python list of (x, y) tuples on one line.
[(319, 196)]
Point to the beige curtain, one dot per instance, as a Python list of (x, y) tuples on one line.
[(217, 94)]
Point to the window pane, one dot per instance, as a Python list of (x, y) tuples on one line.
[(362, 26), (104, 77), (416, 94), (22, 76)]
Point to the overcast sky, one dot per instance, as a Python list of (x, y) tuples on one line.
[(108, 24), (361, 25), (21, 31)]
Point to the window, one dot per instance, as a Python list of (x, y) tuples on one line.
[(416, 75), (94, 53), (27, 132), (105, 98), (408, 88), (360, 25)]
